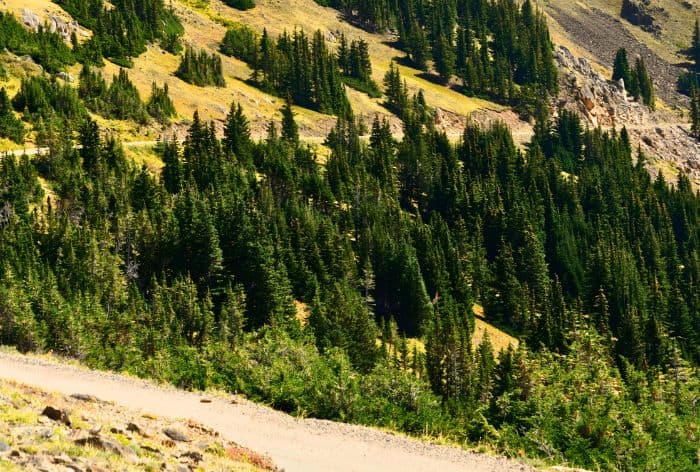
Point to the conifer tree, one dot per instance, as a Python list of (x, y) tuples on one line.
[(621, 68), (646, 86), (237, 133), (290, 130), (10, 126), (695, 112)]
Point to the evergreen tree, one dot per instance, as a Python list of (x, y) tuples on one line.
[(11, 127), (201, 68), (621, 68), (290, 130), (237, 140)]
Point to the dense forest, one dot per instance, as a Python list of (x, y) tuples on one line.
[(345, 288), (122, 31), (193, 278), (498, 49), (302, 69)]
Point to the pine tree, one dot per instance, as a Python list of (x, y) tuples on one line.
[(290, 130), (695, 112), (237, 133), (10, 126), (646, 86), (444, 57), (621, 68)]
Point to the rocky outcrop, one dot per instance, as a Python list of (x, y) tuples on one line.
[(641, 13), (54, 23), (662, 135), (598, 100)]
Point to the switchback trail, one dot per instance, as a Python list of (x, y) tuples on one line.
[(293, 444)]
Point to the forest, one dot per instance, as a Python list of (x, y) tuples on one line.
[(193, 277), (496, 49), (345, 288)]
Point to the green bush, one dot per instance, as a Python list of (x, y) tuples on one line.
[(241, 4)]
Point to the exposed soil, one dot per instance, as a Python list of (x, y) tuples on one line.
[(601, 35)]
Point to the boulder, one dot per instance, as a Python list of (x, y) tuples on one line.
[(135, 428), (195, 456), (30, 19), (588, 98), (83, 397), (109, 445), (66, 77), (57, 415), (176, 435)]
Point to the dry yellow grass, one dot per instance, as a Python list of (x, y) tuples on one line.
[(499, 338)]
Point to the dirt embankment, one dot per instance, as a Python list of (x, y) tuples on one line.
[(601, 35)]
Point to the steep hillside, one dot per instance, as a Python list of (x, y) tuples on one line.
[(594, 30)]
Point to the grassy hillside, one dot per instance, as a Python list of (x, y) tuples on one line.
[(205, 25)]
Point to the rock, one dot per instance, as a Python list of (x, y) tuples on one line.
[(588, 98), (83, 397), (66, 77), (95, 468), (4, 447), (30, 19), (62, 459), (107, 444), (152, 449), (182, 468), (640, 13), (176, 435), (197, 457), (135, 428), (57, 415), (28, 431), (95, 430)]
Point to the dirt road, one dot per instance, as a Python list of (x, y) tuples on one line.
[(293, 444)]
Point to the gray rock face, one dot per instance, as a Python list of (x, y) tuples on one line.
[(641, 13), (62, 27), (598, 100), (66, 77), (55, 24)]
